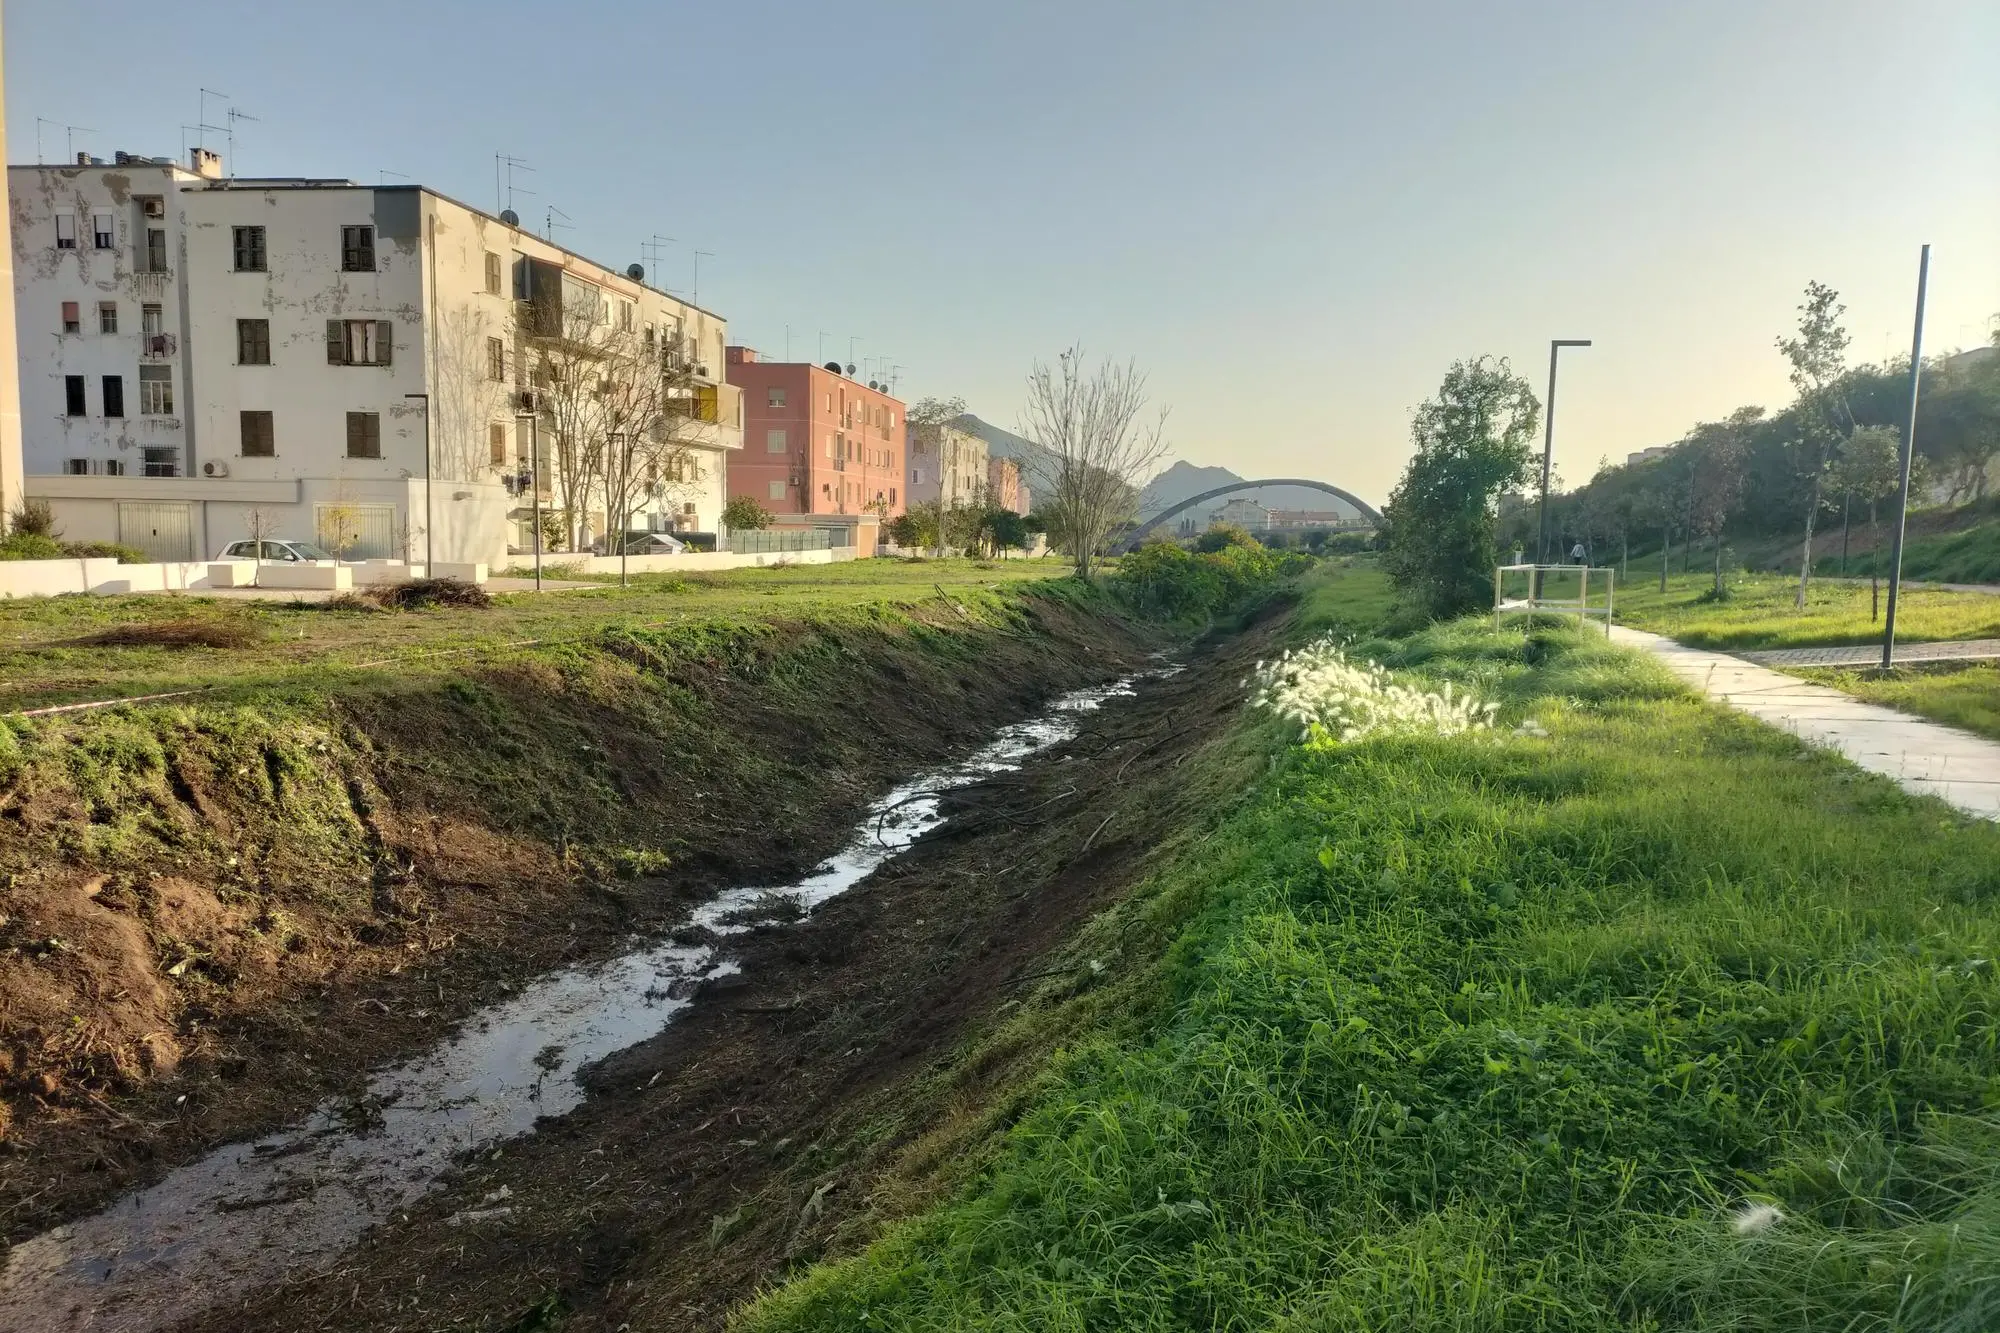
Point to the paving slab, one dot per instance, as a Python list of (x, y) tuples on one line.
[(1869, 654), (1923, 757)]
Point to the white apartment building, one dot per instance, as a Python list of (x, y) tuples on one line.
[(204, 359), (947, 465)]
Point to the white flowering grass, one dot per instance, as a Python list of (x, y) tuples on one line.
[(1336, 700)]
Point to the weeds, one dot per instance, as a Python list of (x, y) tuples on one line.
[(188, 632), (1654, 1019)]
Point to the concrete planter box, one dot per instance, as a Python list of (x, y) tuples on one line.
[(454, 569), (317, 576), (232, 574)]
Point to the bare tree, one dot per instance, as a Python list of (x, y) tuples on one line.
[(1100, 452), (259, 524), (659, 415)]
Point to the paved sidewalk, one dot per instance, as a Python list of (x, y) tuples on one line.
[(1871, 653), (1923, 757)]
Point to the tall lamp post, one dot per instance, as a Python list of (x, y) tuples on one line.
[(1909, 450), (534, 483), (430, 565), (1549, 444)]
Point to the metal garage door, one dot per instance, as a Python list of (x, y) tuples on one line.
[(162, 531), (358, 532)]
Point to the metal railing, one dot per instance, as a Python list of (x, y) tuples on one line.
[(1562, 590), (764, 541)]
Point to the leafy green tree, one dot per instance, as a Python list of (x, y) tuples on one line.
[(743, 514), (1474, 440), (1220, 535), (1006, 530), (1818, 357), (1717, 452), (962, 527)]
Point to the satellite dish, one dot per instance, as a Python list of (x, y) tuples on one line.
[(510, 217), (833, 366), (850, 372), (636, 272)]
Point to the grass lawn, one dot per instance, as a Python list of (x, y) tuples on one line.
[(1959, 694), (46, 658), (1659, 1021), (1760, 613)]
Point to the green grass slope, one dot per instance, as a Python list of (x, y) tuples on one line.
[(1510, 1033)]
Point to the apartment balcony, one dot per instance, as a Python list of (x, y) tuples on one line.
[(157, 346)]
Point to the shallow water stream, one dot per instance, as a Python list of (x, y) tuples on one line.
[(248, 1214)]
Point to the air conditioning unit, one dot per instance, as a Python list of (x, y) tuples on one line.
[(155, 206), (214, 469), (528, 400)]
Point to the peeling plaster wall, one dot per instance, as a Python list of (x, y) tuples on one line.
[(429, 283), (45, 277)]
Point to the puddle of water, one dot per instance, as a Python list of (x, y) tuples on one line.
[(250, 1214)]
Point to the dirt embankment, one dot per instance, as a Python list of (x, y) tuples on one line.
[(211, 918), (862, 1060)]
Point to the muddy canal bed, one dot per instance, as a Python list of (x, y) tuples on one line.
[(283, 1207)]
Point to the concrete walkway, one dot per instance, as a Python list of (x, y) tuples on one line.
[(1871, 654), (1923, 757)]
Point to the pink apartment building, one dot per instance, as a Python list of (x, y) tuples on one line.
[(818, 447)]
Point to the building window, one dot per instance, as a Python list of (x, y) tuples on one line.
[(249, 249), (496, 444), (72, 315), (101, 231), (364, 434), (107, 317), (259, 438), (357, 249), (73, 404), (496, 359), (253, 342), (358, 342), (892, 495), (774, 441), (156, 250), (777, 490), (152, 322), (492, 273), (77, 467), (774, 397), (65, 231), (156, 391), (161, 462), (114, 395), (114, 467)]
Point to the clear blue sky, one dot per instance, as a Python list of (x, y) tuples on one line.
[(1296, 214)]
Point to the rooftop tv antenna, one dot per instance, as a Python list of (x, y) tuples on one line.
[(69, 137), (694, 292), (201, 115), (382, 176), (233, 115), (549, 226), (651, 250), (504, 201)]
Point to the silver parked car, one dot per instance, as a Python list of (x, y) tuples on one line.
[(280, 551)]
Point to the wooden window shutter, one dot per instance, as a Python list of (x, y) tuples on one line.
[(356, 434), (383, 342), (336, 353)]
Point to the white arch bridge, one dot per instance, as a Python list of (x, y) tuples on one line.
[(1140, 533)]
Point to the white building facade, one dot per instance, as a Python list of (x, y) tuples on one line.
[(947, 465), (205, 359)]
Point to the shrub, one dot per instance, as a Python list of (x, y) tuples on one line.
[(33, 518), (744, 514), (30, 546), (124, 555), (1164, 579), (1221, 536)]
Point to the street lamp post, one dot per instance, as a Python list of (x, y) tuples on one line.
[(535, 484), (1549, 445), (1909, 451), (430, 566)]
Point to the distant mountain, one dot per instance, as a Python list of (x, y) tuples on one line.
[(1184, 480), (1037, 463)]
